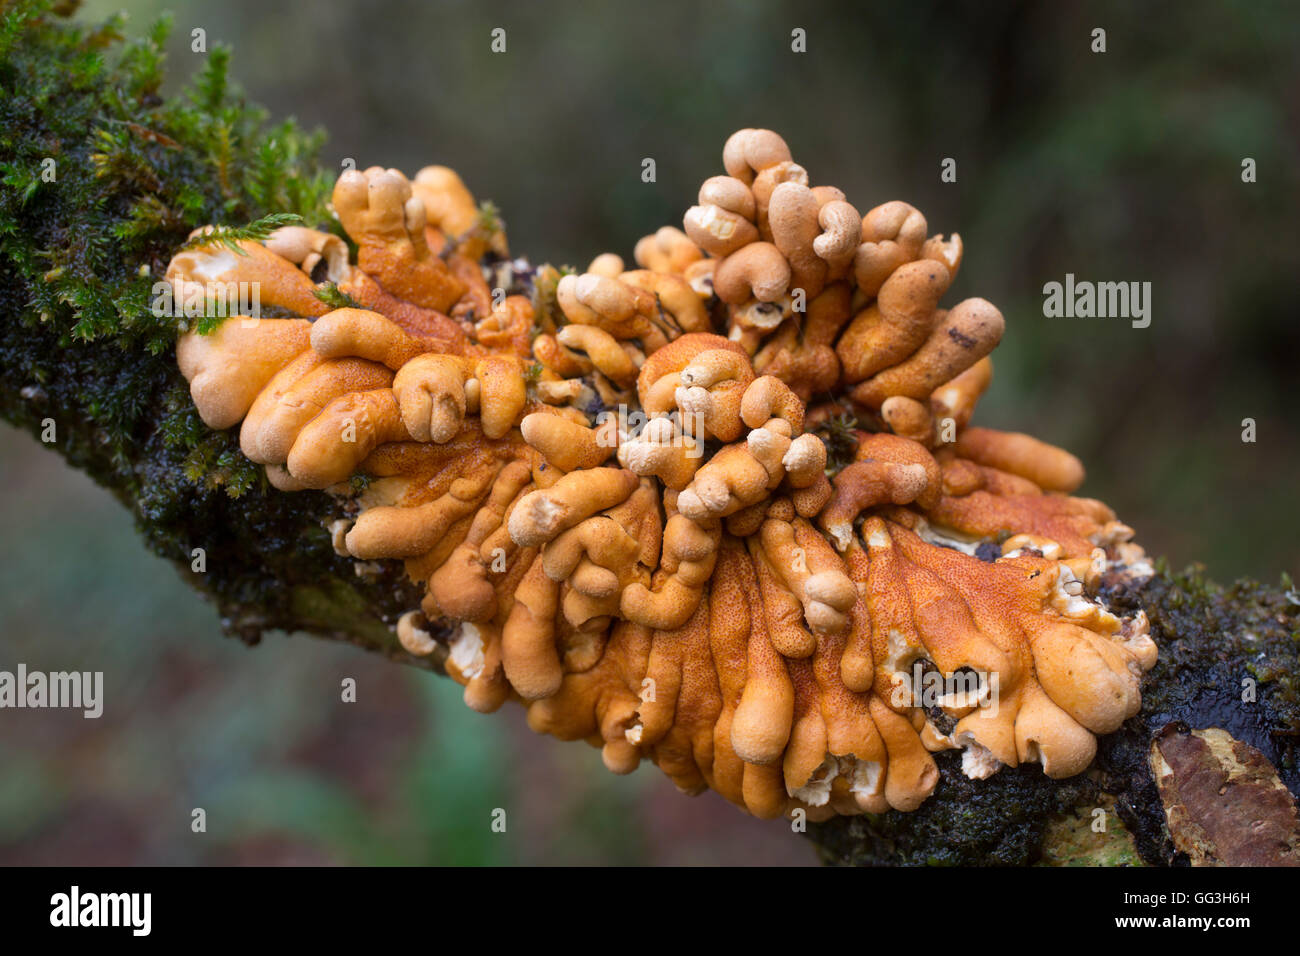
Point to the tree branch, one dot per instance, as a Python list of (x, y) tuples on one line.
[(85, 366)]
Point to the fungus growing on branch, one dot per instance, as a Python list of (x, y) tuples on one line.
[(612, 481)]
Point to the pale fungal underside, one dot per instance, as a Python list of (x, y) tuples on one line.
[(723, 511)]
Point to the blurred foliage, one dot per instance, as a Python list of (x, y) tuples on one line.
[(1116, 166)]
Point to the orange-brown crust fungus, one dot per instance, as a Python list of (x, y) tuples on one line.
[(624, 512)]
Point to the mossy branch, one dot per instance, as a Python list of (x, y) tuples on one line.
[(101, 179)]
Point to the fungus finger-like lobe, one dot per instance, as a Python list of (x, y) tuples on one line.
[(329, 448), (228, 369), (379, 211), (277, 281), (299, 394), (724, 511), (898, 323), (1052, 469)]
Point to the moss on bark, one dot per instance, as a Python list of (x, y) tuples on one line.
[(103, 179)]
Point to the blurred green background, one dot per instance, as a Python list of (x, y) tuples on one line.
[(1117, 166)]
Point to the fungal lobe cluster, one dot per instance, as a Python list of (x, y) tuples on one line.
[(723, 511)]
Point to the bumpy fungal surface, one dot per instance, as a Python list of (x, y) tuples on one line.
[(724, 510)]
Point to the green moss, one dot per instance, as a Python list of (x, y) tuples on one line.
[(839, 432), (232, 236), (133, 174), (488, 224), (1072, 839), (335, 297), (546, 307), (104, 179)]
